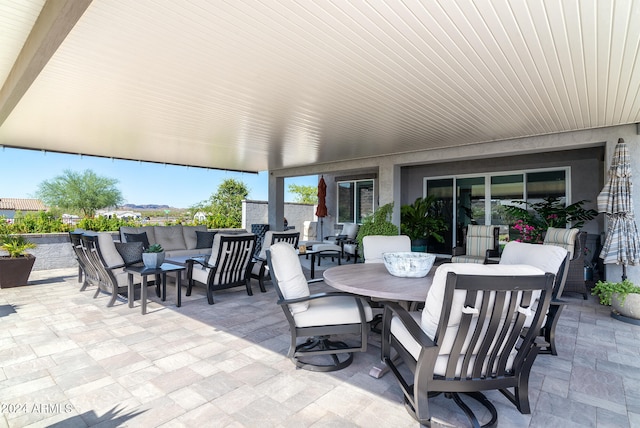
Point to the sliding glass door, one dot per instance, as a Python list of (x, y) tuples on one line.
[(481, 199)]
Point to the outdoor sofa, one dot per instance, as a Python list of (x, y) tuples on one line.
[(177, 240)]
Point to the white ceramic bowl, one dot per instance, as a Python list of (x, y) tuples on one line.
[(409, 264)]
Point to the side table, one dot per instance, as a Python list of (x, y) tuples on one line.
[(322, 251), (162, 271)]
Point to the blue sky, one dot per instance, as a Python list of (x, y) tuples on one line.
[(177, 186)]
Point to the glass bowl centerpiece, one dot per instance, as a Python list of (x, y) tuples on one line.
[(408, 264)]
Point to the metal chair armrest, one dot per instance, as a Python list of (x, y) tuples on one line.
[(391, 308), (315, 296)]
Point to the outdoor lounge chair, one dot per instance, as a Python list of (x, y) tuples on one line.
[(229, 264), (260, 268), (548, 258), (480, 243), (346, 236), (87, 274), (109, 265), (477, 332), (316, 316), (573, 241)]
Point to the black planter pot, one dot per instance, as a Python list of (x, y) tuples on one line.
[(15, 272), (419, 245)]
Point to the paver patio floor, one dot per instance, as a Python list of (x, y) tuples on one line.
[(68, 360)]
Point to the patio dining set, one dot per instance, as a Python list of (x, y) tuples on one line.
[(464, 328)]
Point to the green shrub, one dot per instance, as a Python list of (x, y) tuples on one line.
[(605, 289), (378, 223)]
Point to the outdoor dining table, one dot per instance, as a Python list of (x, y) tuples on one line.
[(374, 281)]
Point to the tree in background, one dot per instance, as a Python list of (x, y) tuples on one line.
[(224, 208), (304, 194), (85, 192)]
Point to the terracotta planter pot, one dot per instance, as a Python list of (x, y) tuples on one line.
[(631, 306), (15, 272)]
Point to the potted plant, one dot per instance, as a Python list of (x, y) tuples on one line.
[(533, 219), (15, 267), (378, 223), (623, 297), (153, 256), (419, 221)]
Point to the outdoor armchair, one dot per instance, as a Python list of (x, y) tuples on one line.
[(87, 274), (229, 264), (477, 332), (480, 243), (346, 236), (573, 241), (260, 268), (108, 264), (316, 317)]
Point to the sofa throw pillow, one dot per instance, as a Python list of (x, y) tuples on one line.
[(204, 239), (138, 237), (131, 252)]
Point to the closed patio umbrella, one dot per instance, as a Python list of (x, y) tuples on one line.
[(321, 209), (622, 244)]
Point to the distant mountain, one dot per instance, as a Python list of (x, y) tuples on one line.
[(146, 207)]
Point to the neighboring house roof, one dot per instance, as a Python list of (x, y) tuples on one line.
[(18, 204)]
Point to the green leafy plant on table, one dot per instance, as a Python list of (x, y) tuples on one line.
[(604, 290), (154, 248)]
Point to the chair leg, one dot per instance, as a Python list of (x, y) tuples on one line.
[(549, 329), (209, 295), (480, 398), (114, 296), (321, 344)]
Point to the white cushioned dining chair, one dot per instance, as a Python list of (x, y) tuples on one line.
[(480, 243), (375, 245), (477, 332), (549, 258), (316, 317)]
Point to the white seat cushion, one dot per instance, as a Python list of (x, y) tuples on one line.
[(326, 247), (288, 273), (332, 311), (430, 316), (375, 245), (545, 257), (350, 230), (435, 296)]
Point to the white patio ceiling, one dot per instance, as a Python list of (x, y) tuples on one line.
[(257, 85)]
